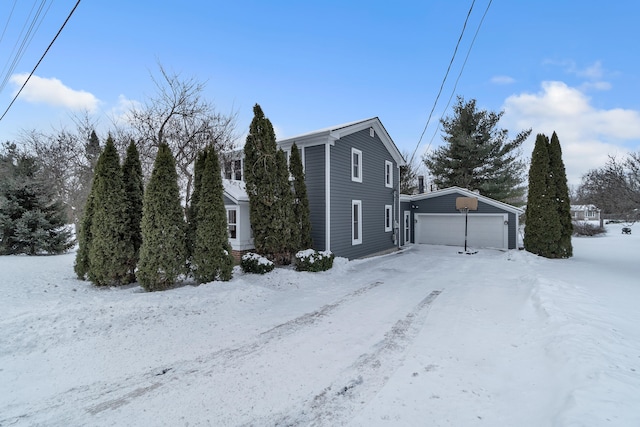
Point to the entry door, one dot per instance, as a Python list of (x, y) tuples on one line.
[(407, 227)]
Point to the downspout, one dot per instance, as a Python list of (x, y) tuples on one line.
[(327, 194)]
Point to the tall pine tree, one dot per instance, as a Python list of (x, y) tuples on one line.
[(32, 218), (477, 155), (134, 190), (542, 225), (111, 249), (267, 183), (163, 251), (192, 211), (212, 257), (82, 264), (563, 204), (301, 213)]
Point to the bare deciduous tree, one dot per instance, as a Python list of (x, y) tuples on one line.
[(179, 116), (614, 188)]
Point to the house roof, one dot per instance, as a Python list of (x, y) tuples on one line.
[(333, 133), (235, 190), (584, 208), (468, 193)]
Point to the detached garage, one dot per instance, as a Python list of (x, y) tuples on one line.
[(436, 221)]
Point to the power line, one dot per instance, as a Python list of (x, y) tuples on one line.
[(455, 51), (39, 61), (459, 74)]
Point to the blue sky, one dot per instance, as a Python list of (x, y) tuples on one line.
[(566, 66)]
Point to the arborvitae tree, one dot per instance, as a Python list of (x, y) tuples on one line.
[(192, 211), (32, 219), (134, 190), (111, 248), (281, 241), (301, 212), (563, 205), (543, 231), (163, 251), (266, 179), (212, 257), (82, 264), (477, 155)]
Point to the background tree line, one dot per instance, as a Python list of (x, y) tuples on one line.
[(614, 188)]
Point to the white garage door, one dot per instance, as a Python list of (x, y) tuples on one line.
[(483, 230)]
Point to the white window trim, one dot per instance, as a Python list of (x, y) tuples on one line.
[(388, 174), (357, 241), (359, 177), (388, 218), (235, 209)]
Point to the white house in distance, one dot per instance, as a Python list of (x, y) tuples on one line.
[(585, 213)]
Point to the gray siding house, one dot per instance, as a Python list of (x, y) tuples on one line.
[(352, 173)]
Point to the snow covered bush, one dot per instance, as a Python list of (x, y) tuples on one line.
[(254, 263), (585, 228), (312, 260)]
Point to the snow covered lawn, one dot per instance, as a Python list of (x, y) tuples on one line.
[(421, 337)]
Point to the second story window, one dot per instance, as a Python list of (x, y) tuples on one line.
[(388, 174), (237, 170), (356, 165)]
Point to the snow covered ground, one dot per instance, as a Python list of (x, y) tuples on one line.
[(424, 337)]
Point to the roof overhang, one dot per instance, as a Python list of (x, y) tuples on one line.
[(467, 193)]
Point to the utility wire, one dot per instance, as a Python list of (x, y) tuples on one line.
[(4, 30), (459, 75), (41, 58), (28, 36), (443, 81)]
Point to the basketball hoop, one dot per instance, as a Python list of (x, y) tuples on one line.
[(464, 205)]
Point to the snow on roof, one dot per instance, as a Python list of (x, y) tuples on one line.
[(583, 207), (235, 190)]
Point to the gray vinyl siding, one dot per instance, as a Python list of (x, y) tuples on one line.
[(228, 201), (447, 204), (315, 180), (371, 191)]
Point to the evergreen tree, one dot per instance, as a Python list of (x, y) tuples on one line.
[(212, 257), (301, 231), (163, 251), (543, 230), (134, 191), (192, 211), (110, 249), (82, 264), (477, 155), (269, 191), (563, 205), (32, 219)]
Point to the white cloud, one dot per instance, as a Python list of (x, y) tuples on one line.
[(588, 135), (53, 92), (502, 80)]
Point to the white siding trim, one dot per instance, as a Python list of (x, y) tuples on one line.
[(327, 196)]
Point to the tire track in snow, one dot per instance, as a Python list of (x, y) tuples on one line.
[(123, 392), (369, 373)]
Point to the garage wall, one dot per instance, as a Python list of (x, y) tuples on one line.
[(446, 204)]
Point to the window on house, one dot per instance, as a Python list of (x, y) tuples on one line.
[(356, 165), (237, 170), (387, 218), (356, 222), (227, 170), (388, 174), (232, 223)]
